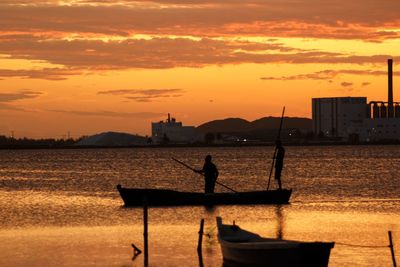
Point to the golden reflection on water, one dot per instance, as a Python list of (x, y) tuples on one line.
[(173, 237), (60, 208)]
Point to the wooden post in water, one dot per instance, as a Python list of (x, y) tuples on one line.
[(145, 233), (200, 243), (391, 248)]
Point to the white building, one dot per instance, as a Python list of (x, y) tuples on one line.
[(339, 116), (354, 118), (350, 117), (171, 131)]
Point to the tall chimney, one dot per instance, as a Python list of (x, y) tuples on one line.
[(390, 89), (169, 118)]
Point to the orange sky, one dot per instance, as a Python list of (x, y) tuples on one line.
[(87, 66)]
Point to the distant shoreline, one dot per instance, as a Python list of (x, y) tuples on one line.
[(260, 144)]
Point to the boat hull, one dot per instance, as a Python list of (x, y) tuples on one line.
[(313, 254), (243, 248), (159, 197)]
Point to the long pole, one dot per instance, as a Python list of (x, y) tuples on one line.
[(187, 166), (278, 138)]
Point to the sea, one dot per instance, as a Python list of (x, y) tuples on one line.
[(61, 207)]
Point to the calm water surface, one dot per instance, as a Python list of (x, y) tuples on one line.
[(61, 208)]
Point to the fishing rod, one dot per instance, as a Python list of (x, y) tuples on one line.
[(278, 138), (187, 166)]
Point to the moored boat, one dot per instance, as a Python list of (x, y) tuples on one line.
[(243, 248), (160, 197)]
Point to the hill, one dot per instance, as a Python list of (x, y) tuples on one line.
[(303, 124), (226, 125), (261, 129), (240, 125), (112, 139)]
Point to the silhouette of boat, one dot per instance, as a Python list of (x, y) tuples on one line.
[(243, 248), (133, 197)]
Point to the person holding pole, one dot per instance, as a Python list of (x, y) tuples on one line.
[(280, 154), (210, 173), (203, 174)]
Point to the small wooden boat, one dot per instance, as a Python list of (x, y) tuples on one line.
[(133, 197), (243, 248)]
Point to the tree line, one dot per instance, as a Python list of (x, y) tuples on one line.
[(11, 142)]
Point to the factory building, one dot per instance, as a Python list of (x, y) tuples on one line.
[(338, 116), (171, 131), (355, 118)]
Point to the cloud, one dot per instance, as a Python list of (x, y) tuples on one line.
[(102, 113), (319, 75), (159, 53), (144, 95), (24, 94), (156, 53), (149, 98), (284, 18), (365, 84), (328, 75), (149, 92), (53, 74), (346, 84), (7, 98), (181, 33), (6, 106)]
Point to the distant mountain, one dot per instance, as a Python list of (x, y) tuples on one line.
[(112, 139), (303, 124), (263, 128), (226, 125)]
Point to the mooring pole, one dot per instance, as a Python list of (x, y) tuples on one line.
[(145, 233), (200, 243), (392, 249)]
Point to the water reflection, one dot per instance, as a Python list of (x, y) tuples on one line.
[(280, 221), (61, 205)]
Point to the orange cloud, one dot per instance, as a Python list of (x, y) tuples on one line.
[(55, 74), (365, 84), (304, 18), (78, 37), (104, 113), (144, 95), (79, 56), (328, 74), (24, 94), (6, 106), (346, 84)]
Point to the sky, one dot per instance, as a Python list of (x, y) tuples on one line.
[(79, 67)]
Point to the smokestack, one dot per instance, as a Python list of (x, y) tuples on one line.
[(169, 118), (390, 88)]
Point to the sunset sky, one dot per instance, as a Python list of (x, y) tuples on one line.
[(88, 66)]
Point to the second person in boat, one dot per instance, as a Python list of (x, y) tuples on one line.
[(210, 173), (280, 155)]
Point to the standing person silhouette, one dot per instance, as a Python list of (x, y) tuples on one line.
[(280, 154), (210, 172)]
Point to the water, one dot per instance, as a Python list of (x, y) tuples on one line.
[(60, 207)]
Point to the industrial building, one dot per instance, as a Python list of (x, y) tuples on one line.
[(356, 119), (338, 116), (171, 131)]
